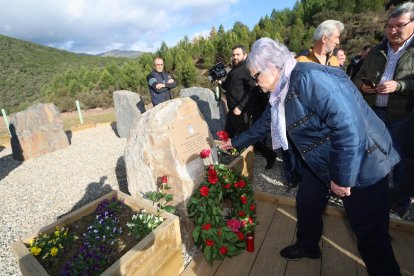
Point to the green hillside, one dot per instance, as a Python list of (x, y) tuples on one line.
[(25, 67), (30, 73)]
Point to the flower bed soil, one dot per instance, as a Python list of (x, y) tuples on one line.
[(122, 244)]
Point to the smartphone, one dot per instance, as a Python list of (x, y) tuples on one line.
[(368, 82)]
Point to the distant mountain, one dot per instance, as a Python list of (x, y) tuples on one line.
[(121, 53)]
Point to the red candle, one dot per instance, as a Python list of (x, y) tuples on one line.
[(250, 242)]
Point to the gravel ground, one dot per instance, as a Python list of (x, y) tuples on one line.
[(38, 191)]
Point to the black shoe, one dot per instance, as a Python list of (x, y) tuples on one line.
[(294, 253), (270, 159)]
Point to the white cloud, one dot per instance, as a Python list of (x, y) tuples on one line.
[(96, 26)]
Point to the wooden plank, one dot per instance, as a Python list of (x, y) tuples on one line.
[(265, 213), (148, 253), (244, 163), (280, 234), (330, 210), (339, 252), (173, 265), (303, 266), (403, 245), (200, 267), (27, 263)]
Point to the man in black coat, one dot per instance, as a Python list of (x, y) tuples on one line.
[(240, 97)]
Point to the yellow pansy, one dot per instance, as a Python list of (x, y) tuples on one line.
[(54, 251), (35, 250)]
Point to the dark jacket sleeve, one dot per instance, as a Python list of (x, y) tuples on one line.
[(248, 85), (259, 130)]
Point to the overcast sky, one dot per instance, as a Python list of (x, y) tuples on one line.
[(97, 26)]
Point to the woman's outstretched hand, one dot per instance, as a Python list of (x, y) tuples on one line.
[(226, 145)]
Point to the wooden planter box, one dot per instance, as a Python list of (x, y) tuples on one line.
[(244, 163), (160, 253)]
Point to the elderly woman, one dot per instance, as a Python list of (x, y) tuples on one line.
[(317, 113)]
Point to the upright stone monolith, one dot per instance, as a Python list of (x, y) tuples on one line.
[(128, 108), (167, 141), (36, 131), (214, 111)]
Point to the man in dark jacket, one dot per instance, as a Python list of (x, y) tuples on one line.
[(160, 83), (240, 97), (356, 62), (238, 85), (390, 66)]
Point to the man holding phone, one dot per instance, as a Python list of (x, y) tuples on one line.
[(368, 82), (390, 65)]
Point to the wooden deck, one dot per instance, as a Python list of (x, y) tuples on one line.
[(276, 229)]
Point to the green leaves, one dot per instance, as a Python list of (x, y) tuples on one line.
[(210, 226)]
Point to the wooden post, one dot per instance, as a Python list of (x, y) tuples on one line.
[(3, 112), (79, 112)]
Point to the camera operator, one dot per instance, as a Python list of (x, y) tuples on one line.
[(241, 100)]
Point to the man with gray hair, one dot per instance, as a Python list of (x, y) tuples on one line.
[(325, 39), (386, 80)]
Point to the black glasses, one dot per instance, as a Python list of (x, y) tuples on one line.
[(398, 27), (256, 76)]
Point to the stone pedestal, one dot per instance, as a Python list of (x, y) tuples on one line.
[(128, 108), (167, 141), (214, 111), (36, 131)]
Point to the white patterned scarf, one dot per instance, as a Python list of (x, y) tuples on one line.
[(277, 101)]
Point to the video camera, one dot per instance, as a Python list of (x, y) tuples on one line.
[(217, 72)]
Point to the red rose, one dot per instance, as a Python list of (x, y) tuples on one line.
[(241, 184), (234, 225), (164, 179), (206, 226), (243, 199), (240, 236), (205, 153), (210, 167), (212, 179), (212, 171), (212, 176), (243, 223), (250, 220), (226, 186), (242, 214), (224, 136), (204, 191), (224, 250), (252, 207), (209, 242)]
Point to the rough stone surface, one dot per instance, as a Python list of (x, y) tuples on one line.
[(214, 111), (128, 108), (36, 131), (151, 153)]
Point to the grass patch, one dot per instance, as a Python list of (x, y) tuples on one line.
[(70, 124)]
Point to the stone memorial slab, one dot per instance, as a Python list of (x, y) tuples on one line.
[(36, 131), (214, 111), (128, 109), (167, 141)]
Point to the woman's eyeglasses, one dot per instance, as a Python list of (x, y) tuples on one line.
[(256, 76), (398, 27)]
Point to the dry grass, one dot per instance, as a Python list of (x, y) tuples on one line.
[(71, 123)]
